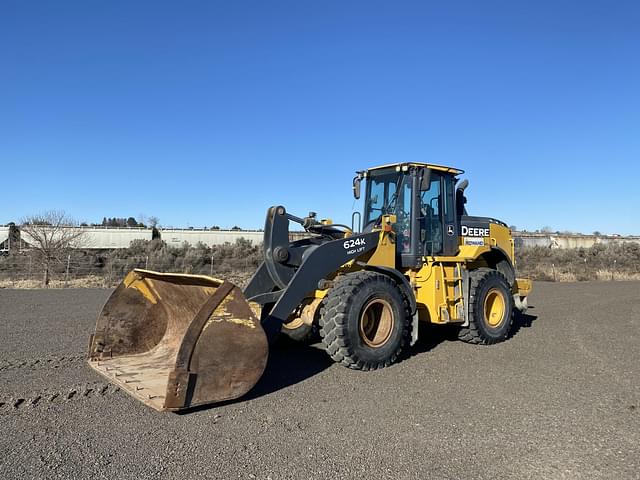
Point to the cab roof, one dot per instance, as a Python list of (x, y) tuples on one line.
[(432, 166)]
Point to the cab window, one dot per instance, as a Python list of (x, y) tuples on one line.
[(431, 221), (382, 189)]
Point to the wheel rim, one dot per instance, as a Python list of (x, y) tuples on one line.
[(376, 322), (293, 324), (494, 308)]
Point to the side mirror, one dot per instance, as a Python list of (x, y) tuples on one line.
[(425, 181), (356, 187)]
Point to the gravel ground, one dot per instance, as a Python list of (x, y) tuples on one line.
[(558, 400)]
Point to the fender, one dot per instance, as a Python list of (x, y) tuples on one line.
[(406, 288), (401, 280)]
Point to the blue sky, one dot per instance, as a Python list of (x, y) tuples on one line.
[(205, 112)]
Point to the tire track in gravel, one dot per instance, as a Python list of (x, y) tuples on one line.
[(38, 363), (599, 360), (45, 398)]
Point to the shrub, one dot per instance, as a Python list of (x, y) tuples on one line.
[(621, 260)]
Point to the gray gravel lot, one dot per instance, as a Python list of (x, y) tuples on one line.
[(560, 399)]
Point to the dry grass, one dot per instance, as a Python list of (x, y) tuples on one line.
[(239, 278), (616, 276), (548, 273), (92, 281)]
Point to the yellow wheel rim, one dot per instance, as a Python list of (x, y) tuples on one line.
[(494, 308), (293, 324), (376, 322)]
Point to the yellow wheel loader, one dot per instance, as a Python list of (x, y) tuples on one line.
[(176, 341)]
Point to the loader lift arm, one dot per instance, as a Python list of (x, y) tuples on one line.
[(291, 270)]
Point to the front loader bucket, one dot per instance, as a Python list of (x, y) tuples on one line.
[(176, 341)]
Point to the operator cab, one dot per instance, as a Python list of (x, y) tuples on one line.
[(423, 199)]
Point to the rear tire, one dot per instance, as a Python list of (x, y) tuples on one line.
[(490, 308), (365, 321)]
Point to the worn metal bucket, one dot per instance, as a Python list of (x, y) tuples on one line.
[(177, 341)]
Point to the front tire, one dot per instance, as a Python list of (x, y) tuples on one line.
[(365, 321), (490, 308), (301, 332)]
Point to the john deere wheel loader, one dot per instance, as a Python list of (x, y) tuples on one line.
[(176, 341)]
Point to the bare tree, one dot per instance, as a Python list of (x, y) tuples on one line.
[(154, 221), (51, 234)]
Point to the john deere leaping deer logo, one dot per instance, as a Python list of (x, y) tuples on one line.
[(450, 230)]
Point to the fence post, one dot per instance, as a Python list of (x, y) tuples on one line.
[(211, 273), (109, 272), (553, 267), (146, 263), (66, 273)]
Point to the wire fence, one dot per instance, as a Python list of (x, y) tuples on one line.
[(240, 260), (74, 273), (108, 268)]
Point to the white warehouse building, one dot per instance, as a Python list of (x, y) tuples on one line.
[(107, 238)]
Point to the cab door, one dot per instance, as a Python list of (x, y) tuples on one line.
[(450, 225), (438, 219)]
